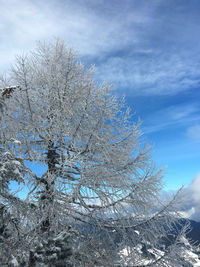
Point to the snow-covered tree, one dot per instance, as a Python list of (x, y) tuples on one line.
[(15, 250), (55, 251), (98, 176), (10, 169)]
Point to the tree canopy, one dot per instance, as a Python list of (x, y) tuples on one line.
[(99, 186)]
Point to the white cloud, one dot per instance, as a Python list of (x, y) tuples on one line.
[(188, 213), (188, 201), (137, 45), (189, 206), (175, 115), (24, 22), (152, 73), (194, 132), (194, 188)]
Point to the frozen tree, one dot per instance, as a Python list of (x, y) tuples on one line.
[(9, 170), (12, 207), (97, 175), (54, 251), (15, 250)]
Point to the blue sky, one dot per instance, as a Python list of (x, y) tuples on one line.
[(149, 51)]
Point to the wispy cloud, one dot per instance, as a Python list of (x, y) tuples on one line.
[(194, 132), (165, 58), (152, 72), (142, 47), (22, 23), (182, 115), (92, 28)]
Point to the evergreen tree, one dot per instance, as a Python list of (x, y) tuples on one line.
[(55, 251), (10, 170)]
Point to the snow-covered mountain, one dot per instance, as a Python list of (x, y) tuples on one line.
[(148, 254), (190, 253)]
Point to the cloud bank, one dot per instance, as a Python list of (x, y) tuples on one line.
[(189, 201), (191, 195)]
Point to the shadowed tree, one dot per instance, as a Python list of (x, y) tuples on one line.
[(15, 247), (12, 169), (98, 176)]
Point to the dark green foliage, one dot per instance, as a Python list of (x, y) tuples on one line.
[(8, 234), (55, 251)]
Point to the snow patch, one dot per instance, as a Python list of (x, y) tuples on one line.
[(14, 262)]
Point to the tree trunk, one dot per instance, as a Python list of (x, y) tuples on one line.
[(47, 196)]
